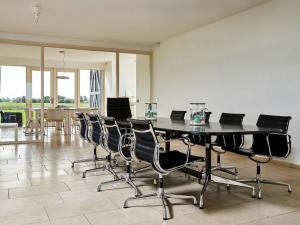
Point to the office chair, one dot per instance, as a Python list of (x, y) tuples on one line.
[(147, 148), (96, 139), (265, 147), (119, 108), (118, 140), (177, 115), (227, 142)]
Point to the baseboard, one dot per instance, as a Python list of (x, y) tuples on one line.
[(285, 163)]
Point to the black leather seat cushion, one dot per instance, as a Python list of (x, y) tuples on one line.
[(243, 151), (126, 151), (175, 158)]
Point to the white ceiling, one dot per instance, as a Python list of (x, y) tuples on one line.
[(142, 22)]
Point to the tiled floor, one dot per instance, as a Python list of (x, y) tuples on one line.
[(38, 186)]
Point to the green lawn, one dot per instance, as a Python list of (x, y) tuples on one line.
[(19, 107)]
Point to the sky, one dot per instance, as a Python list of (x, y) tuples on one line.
[(13, 83)]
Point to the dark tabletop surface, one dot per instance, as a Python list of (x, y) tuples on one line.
[(212, 128)]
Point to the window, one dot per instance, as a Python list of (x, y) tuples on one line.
[(36, 88), (65, 89), (84, 89), (13, 86)]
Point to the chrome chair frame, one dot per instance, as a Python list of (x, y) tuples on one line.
[(258, 178), (160, 194), (95, 158), (219, 166), (127, 177)]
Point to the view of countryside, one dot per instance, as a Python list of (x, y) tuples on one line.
[(14, 89)]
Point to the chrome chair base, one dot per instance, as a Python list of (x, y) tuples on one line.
[(125, 178), (221, 180), (225, 169), (258, 180), (162, 196), (95, 159)]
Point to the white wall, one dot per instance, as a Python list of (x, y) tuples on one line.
[(143, 83), (247, 63), (127, 85)]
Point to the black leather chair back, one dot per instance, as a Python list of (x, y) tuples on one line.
[(280, 144), (145, 140), (97, 131), (119, 108), (276, 122), (207, 116), (177, 115), (230, 141), (113, 134), (83, 124)]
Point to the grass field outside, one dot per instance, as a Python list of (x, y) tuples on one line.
[(20, 107)]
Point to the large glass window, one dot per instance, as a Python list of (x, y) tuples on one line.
[(36, 88), (84, 89), (65, 88), (13, 86)]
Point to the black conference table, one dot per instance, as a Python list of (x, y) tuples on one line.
[(210, 129)]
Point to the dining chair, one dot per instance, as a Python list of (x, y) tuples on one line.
[(227, 142), (266, 147), (147, 148), (96, 138), (31, 122), (55, 115), (119, 140), (119, 108)]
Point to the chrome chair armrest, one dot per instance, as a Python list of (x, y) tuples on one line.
[(289, 143), (157, 154)]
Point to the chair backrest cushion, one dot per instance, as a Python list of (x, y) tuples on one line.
[(177, 115), (279, 144), (83, 126), (113, 133), (230, 141), (145, 140), (119, 108), (276, 122), (56, 114), (96, 135)]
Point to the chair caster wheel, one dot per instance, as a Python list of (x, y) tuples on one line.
[(83, 175), (125, 207), (165, 218), (290, 190), (98, 189)]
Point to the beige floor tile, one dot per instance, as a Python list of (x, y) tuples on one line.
[(123, 216), (15, 184), (79, 207), (54, 179), (24, 215), (77, 220), (8, 177), (3, 194), (277, 220), (31, 201), (37, 190), (45, 173)]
